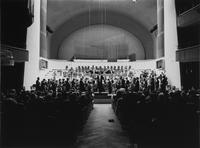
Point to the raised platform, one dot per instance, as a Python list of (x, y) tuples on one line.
[(102, 98)]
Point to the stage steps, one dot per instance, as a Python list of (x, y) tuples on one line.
[(102, 98)]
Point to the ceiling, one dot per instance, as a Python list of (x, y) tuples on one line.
[(65, 17), (102, 42), (142, 11)]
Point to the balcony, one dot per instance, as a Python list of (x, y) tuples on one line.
[(19, 54), (189, 54), (189, 17)]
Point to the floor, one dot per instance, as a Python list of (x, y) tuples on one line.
[(103, 130)]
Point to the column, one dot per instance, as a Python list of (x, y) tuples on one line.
[(160, 31), (171, 43), (43, 32), (33, 46)]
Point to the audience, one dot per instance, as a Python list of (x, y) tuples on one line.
[(144, 103), (50, 111), (167, 117)]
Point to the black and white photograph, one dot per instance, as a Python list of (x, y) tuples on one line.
[(100, 74)]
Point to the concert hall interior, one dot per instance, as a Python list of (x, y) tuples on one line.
[(100, 73)]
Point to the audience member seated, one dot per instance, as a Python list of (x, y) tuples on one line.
[(167, 116), (48, 113)]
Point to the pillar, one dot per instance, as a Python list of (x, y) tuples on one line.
[(43, 32), (33, 46), (160, 31), (171, 43)]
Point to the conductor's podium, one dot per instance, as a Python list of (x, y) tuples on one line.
[(102, 98)]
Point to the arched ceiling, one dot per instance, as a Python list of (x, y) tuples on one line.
[(67, 16), (102, 42), (142, 11)]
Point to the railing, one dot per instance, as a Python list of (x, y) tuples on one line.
[(189, 48), (19, 54), (189, 54), (8, 47), (189, 10), (189, 17)]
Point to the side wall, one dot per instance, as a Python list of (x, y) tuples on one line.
[(33, 46)]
